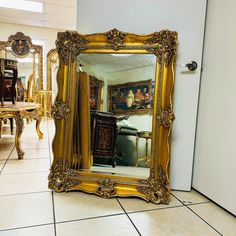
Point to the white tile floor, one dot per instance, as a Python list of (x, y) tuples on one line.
[(28, 207)]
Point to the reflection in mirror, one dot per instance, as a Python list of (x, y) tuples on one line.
[(27, 81), (120, 111), (52, 69)]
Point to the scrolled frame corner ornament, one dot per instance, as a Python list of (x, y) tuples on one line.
[(156, 187), (115, 39), (167, 42), (106, 188), (62, 177), (60, 110), (165, 117), (69, 44)]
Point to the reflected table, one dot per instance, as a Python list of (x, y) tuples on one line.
[(146, 135), (20, 111)]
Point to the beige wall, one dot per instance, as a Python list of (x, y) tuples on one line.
[(215, 153), (48, 35)]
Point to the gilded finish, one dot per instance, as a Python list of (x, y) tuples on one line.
[(69, 45), (19, 113), (21, 46), (62, 177), (115, 39), (165, 117), (167, 45), (155, 188), (60, 110), (106, 188)]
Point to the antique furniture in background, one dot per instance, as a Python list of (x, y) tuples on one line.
[(66, 172), (8, 82), (20, 46), (145, 135), (103, 136), (20, 111)]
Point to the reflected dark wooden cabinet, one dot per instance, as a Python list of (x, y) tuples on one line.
[(8, 80), (103, 137)]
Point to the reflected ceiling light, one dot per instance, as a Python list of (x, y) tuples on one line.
[(38, 42), (27, 60), (22, 5), (121, 55)]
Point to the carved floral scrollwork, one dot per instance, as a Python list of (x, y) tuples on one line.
[(155, 187), (166, 45), (70, 44), (35, 114), (20, 44), (60, 110), (165, 117), (115, 39), (106, 188), (61, 178)]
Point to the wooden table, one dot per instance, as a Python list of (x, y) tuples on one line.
[(20, 111)]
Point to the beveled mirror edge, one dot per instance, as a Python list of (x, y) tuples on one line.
[(63, 177)]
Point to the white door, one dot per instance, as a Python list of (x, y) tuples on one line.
[(215, 156), (139, 16)]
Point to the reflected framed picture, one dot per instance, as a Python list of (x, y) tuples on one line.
[(130, 98), (96, 93)]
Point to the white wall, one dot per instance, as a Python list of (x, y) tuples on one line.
[(139, 16), (215, 155), (48, 35)]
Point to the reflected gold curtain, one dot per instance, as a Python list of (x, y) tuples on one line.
[(82, 122)]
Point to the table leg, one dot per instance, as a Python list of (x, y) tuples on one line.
[(38, 121), (146, 152), (137, 139), (19, 130)]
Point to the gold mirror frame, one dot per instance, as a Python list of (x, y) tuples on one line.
[(22, 50), (64, 176)]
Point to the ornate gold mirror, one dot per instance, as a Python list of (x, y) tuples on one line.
[(30, 65), (123, 147)]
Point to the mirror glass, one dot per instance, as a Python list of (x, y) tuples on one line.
[(121, 103), (27, 80)]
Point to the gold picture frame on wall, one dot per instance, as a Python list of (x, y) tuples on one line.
[(130, 98), (65, 173)]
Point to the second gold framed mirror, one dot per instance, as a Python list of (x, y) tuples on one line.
[(122, 149)]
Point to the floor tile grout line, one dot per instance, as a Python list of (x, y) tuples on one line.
[(197, 215), (25, 227), (212, 201), (31, 158), (129, 217), (54, 214), (53, 203), (90, 218), (204, 221), (7, 159), (157, 209), (16, 194), (189, 204), (21, 173)]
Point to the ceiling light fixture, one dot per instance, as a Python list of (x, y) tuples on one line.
[(22, 5)]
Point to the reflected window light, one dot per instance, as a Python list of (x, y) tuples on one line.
[(26, 60), (22, 5), (38, 42)]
